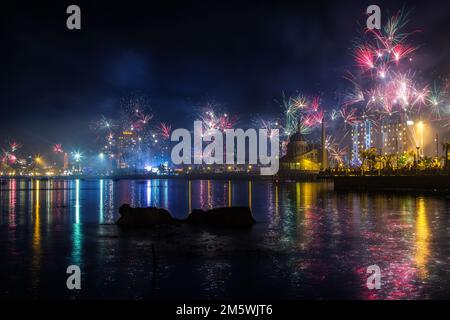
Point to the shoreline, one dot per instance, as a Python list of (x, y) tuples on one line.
[(403, 183), (210, 176), (437, 183)]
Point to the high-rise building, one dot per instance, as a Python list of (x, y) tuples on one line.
[(363, 138), (126, 143), (398, 137), (66, 161)]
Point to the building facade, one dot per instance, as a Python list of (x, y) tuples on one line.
[(398, 137), (300, 156), (363, 137)]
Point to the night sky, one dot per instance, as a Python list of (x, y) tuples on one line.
[(241, 54)]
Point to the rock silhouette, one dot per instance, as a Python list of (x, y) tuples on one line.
[(229, 217), (144, 217)]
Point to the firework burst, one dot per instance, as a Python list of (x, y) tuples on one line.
[(164, 131), (57, 148), (336, 153), (14, 146), (214, 119), (349, 115)]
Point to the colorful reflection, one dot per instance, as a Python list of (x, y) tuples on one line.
[(36, 243), (308, 239), (77, 234), (101, 212), (77, 201), (423, 236), (12, 202)]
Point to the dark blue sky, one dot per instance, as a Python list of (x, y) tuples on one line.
[(242, 54)]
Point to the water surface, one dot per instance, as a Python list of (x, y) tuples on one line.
[(309, 242)]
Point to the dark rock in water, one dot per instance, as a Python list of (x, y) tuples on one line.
[(144, 217), (222, 217)]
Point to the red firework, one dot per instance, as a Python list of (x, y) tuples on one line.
[(8, 158), (318, 118), (312, 120), (57, 148), (315, 104), (14, 146), (364, 57), (402, 50), (164, 130), (349, 115), (225, 122)]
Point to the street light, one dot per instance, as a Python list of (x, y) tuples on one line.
[(418, 154), (421, 129)]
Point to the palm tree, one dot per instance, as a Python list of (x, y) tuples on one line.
[(446, 148), (389, 159), (372, 158), (425, 163), (363, 157), (369, 158)]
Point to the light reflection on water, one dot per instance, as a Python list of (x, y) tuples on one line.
[(309, 241)]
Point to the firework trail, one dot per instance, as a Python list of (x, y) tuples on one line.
[(364, 57), (349, 115), (336, 153), (436, 100), (299, 102), (164, 131), (353, 97), (315, 104), (334, 114), (104, 124)]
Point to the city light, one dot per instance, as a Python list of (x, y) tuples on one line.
[(421, 136), (77, 156)]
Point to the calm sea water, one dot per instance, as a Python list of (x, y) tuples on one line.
[(309, 242)]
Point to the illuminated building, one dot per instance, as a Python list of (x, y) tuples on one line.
[(66, 161), (300, 155), (362, 139), (397, 137), (127, 141)]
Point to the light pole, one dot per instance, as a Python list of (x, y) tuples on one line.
[(437, 146), (418, 154), (421, 127)]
